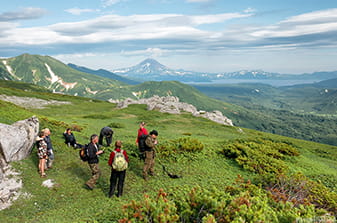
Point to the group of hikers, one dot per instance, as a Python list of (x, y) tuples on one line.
[(118, 160)]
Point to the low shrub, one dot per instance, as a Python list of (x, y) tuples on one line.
[(261, 156), (300, 190), (180, 145), (158, 209), (240, 202), (116, 125)]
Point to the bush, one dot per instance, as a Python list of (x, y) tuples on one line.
[(300, 190), (239, 202), (261, 156), (180, 145), (116, 125), (158, 209)]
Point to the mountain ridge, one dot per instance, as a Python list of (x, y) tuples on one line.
[(151, 69)]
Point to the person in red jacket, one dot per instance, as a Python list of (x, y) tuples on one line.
[(141, 131), (117, 175)]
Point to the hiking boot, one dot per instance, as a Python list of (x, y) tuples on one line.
[(152, 174), (88, 187), (145, 178)]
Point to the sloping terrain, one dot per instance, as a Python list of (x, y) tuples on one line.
[(208, 156)]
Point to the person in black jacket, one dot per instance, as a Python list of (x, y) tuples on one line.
[(50, 149), (107, 133), (70, 139), (93, 152)]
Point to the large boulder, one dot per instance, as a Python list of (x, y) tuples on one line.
[(16, 143), (16, 140)]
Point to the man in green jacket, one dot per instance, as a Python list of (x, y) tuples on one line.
[(150, 152)]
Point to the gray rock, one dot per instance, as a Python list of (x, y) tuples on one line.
[(16, 140), (16, 143), (172, 105)]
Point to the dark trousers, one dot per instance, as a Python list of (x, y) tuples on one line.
[(107, 138), (120, 177)]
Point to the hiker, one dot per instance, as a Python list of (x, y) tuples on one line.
[(151, 142), (41, 152), (70, 139), (140, 140), (50, 150), (141, 131), (118, 170), (93, 152), (107, 133)]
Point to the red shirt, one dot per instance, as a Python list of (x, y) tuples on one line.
[(141, 131), (112, 156)]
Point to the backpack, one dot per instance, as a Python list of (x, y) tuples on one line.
[(119, 163), (84, 153), (141, 143)]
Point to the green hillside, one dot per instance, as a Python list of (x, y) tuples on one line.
[(305, 112), (228, 174), (50, 73)]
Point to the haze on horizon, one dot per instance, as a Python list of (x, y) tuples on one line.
[(298, 36)]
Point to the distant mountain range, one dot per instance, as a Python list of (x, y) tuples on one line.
[(254, 106), (152, 70)]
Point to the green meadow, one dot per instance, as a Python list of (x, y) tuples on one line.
[(228, 174)]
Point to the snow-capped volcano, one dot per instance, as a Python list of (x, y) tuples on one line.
[(151, 69), (146, 67)]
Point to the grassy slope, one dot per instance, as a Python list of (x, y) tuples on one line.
[(33, 69), (70, 202), (301, 112)]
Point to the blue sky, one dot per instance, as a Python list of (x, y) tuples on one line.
[(297, 36)]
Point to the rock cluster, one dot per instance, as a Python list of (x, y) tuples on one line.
[(16, 142), (172, 105)]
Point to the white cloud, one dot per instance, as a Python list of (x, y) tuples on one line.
[(198, 1), (107, 3), (163, 34), (249, 10), (149, 52), (318, 22), (78, 11), (23, 14)]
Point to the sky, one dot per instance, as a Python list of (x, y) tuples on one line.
[(283, 36)]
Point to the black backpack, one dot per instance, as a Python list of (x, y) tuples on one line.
[(84, 153), (141, 143)]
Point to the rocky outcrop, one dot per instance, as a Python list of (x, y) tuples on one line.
[(172, 105), (16, 142)]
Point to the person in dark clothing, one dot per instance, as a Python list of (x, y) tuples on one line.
[(93, 152), (107, 133), (117, 175), (70, 139), (150, 152), (50, 150)]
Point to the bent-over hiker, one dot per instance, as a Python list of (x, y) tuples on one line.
[(107, 133)]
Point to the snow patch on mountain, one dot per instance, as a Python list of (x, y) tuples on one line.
[(10, 70), (54, 78), (90, 91)]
